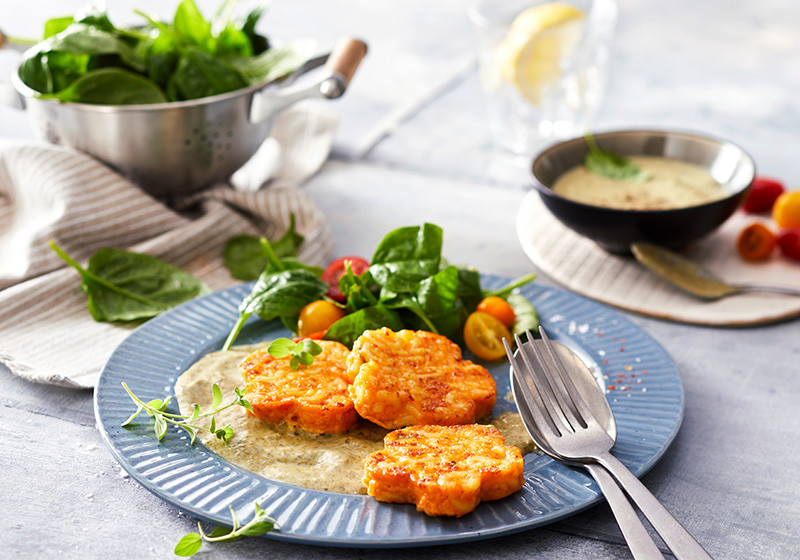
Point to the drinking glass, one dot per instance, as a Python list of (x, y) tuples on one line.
[(568, 64)]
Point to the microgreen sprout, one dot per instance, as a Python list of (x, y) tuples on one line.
[(302, 352), (260, 524), (157, 409)]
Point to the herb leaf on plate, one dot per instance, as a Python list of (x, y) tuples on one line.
[(611, 165), (127, 286)]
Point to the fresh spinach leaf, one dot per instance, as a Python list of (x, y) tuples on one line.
[(247, 256), (199, 74), (611, 165), (347, 329), (258, 43), (438, 297), (277, 294), (111, 86), (244, 257), (127, 286), (187, 59), (54, 26), (274, 63), (469, 288), (406, 256), (192, 27)]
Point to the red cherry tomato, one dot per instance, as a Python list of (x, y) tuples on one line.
[(336, 270), (762, 195), (789, 243)]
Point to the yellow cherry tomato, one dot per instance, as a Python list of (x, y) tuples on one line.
[(317, 316), (498, 308), (786, 210), (483, 335)]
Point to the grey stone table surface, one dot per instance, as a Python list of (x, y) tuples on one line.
[(414, 146)]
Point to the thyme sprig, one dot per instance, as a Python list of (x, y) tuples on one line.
[(157, 409), (260, 524)]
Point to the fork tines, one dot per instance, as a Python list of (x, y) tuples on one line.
[(549, 376)]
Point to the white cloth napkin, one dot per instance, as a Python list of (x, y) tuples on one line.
[(55, 193)]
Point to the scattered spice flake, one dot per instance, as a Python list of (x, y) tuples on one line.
[(605, 361), (611, 388), (644, 371), (621, 349), (628, 368)]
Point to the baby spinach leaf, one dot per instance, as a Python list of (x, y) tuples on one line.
[(111, 86), (406, 256), (258, 43), (199, 74), (469, 288), (244, 258), (286, 293), (438, 297), (192, 27), (247, 256), (274, 63), (347, 329), (54, 26), (126, 286), (277, 294), (611, 165)]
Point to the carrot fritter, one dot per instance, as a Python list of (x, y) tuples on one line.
[(444, 470), (409, 378), (314, 397)]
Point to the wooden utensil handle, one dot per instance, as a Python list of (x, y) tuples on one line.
[(346, 56)]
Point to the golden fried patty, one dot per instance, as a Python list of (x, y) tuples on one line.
[(314, 398), (444, 470), (411, 378)]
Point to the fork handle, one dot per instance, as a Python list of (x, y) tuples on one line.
[(639, 541), (678, 539)]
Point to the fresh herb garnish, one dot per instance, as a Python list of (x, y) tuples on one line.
[(87, 59), (127, 286), (302, 352), (261, 523), (157, 410), (611, 165)]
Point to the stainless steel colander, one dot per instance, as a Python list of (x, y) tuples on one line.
[(180, 147)]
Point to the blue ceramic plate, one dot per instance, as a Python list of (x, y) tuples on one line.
[(647, 400)]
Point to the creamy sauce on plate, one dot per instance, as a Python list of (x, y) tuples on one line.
[(332, 462), (672, 184)]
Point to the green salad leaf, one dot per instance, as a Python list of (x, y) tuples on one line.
[(189, 58), (127, 286)]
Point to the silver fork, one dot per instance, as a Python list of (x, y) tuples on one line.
[(569, 428), (639, 541)]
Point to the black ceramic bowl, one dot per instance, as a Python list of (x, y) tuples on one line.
[(615, 230)]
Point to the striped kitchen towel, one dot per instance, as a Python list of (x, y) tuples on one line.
[(54, 193)]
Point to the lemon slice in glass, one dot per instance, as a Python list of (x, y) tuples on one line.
[(530, 55)]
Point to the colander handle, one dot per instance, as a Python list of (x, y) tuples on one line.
[(340, 67), (342, 64)]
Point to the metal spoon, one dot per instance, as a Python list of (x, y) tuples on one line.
[(639, 541), (693, 278)]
